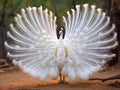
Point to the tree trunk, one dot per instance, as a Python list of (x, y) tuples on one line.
[(3, 12)]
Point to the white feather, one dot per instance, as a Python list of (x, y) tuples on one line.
[(53, 72), (88, 40), (33, 31)]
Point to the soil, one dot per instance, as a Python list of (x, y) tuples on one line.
[(13, 78)]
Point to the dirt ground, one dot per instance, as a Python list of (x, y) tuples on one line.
[(14, 79)]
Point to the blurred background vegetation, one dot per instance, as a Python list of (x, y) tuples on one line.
[(9, 8)]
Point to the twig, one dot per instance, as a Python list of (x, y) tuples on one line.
[(4, 66), (107, 78)]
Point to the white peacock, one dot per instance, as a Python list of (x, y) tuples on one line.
[(87, 44)]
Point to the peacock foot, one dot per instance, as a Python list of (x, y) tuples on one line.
[(62, 82)]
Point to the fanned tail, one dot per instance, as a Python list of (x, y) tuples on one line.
[(89, 38)]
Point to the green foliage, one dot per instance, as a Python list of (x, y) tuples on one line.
[(61, 6)]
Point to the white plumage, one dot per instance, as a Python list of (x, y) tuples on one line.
[(34, 47)]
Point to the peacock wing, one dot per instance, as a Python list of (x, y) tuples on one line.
[(89, 38), (32, 41)]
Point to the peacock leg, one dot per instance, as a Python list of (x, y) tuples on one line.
[(64, 82), (61, 80)]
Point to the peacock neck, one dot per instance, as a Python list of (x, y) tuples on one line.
[(61, 53), (61, 45)]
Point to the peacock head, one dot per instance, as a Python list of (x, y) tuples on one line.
[(61, 33)]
